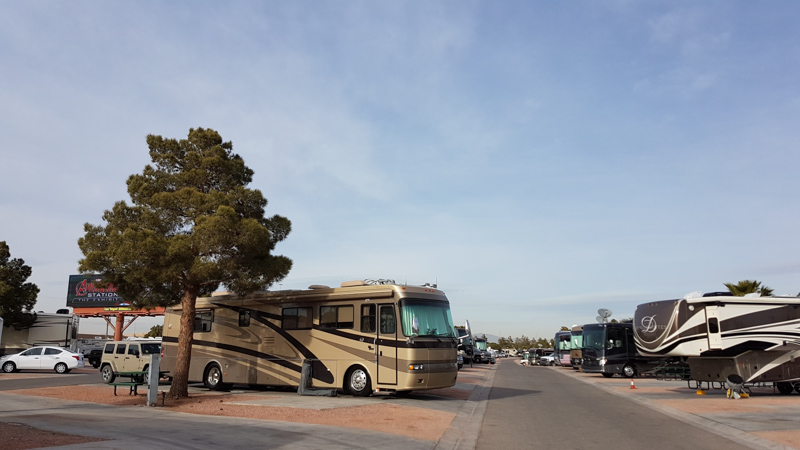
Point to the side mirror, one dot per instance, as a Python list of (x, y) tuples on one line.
[(415, 326)]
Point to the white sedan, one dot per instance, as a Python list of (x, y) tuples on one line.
[(42, 358)]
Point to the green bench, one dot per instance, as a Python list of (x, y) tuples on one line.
[(134, 385)]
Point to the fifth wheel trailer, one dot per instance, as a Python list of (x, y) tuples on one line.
[(718, 336), (57, 329)]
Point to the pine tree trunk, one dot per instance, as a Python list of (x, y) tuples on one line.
[(180, 379)]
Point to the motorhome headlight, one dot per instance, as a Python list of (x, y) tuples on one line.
[(416, 366)]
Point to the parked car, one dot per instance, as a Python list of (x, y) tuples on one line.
[(42, 358), (127, 356), (491, 356)]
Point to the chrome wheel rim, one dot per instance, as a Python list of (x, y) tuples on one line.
[(214, 376), (358, 380)]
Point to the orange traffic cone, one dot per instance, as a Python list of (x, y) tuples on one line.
[(633, 386)]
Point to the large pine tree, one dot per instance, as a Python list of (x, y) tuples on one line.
[(193, 226)]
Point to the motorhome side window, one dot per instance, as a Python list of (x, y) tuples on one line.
[(616, 336), (202, 321), (244, 318), (336, 316), (297, 318), (368, 318)]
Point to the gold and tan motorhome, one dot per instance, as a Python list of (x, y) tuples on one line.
[(361, 337)]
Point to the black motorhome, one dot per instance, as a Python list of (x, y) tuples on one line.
[(609, 349)]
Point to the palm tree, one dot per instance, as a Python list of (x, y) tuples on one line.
[(748, 287)]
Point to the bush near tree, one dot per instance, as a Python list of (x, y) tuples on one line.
[(17, 295)]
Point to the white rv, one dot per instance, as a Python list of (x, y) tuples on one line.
[(718, 335)]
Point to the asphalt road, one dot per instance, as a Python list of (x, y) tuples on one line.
[(539, 407), (47, 378)]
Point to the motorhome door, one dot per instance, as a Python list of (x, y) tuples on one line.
[(387, 345), (714, 332)]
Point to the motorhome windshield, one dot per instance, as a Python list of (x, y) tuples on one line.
[(564, 342), (426, 318), (594, 338), (577, 339)]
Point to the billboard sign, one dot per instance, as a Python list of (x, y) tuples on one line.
[(88, 291)]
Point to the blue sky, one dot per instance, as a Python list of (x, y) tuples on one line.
[(539, 160)]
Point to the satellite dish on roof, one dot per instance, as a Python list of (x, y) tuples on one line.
[(603, 315), (600, 319)]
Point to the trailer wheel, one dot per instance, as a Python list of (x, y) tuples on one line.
[(357, 382), (213, 378), (9, 367), (107, 373), (629, 371), (784, 387)]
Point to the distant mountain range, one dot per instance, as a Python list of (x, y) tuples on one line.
[(489, 337)]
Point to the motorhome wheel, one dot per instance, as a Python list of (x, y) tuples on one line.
[(629, 370), (213, 378), (784, 387), (357, 382)]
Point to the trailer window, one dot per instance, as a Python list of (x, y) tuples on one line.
[(713, 325), (336, 316), (297, 318), (203, 320), (368, 318)]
